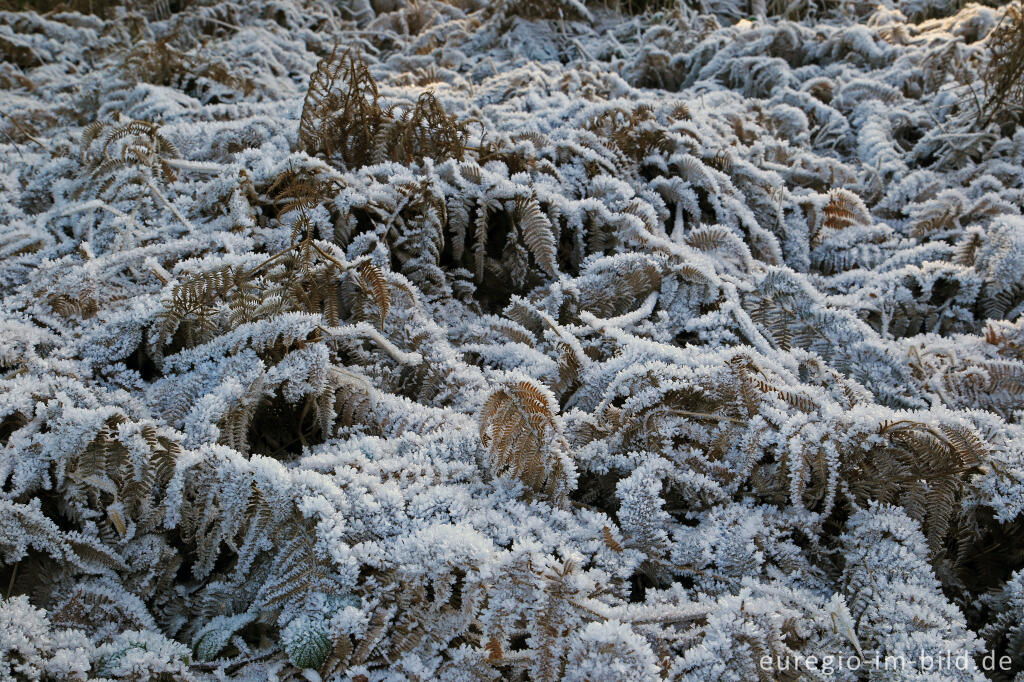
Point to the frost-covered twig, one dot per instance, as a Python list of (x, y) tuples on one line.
[(366, 330)]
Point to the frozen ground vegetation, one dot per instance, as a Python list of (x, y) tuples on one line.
[(517, 340)]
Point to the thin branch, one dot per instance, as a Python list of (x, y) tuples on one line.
[(197, 166), (704, 415), (169, 205), (22, 130), (98, 204), (10, 583), (365, 330), (645, 309)]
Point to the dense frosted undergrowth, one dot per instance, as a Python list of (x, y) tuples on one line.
[(519, 340)]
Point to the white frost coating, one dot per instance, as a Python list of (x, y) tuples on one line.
[(726, 274)]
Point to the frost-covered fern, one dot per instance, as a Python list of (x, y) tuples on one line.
[(387, 340)]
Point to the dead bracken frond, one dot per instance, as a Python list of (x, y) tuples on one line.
[(341, 112), (844, 208), (1003, 88), (519, 428), (128, 144), (344, 120), (537, 234), (425, 130), (376, 285), (159, 63)]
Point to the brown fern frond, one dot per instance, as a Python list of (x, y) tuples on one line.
[(471, 172), (636, 208), (524, 314), (234, 425), (480, 237), (643, 280), (132, 144), (933, 448), (839, 210), (375, 284), (519, 429), (680, 112), (609, 539), (537, 233), (800, 402), (315, 108), (514, 331), (709, 238), (941, 506), (843, 209), (494, 650), (613, 291), (147, 150), (156, 62), (749, 390), (540, 9), (191, 303), (569, 364), (1003, 76), (927, 226), (348, 400), (341, 112), (90, 133), (338, 659), (83, 306), (344, 120), (721, 161), (428, 131), (1006, 337), (721, 241), (299, 191), (375, 632), (965, 443)]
